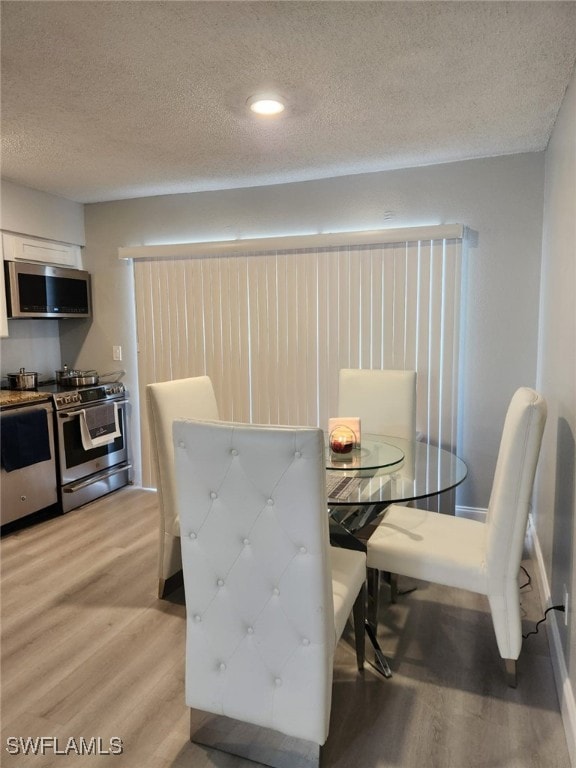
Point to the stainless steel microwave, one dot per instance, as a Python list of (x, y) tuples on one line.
[(41, 290)]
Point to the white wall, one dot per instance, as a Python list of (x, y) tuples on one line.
[(32, 344), (555, 500), (501, 198), (31, 212)]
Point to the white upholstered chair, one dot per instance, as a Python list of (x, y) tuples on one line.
[(191, 398), (385, 400), (267, 597), (477, 556)]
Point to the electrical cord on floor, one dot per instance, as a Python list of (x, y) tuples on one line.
[(560, 608)]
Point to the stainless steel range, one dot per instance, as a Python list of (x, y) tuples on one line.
[(91, 441)]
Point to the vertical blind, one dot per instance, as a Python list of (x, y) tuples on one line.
[(273, 329)]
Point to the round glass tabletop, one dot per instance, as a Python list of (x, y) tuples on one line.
[(425, 470), (373, 453)]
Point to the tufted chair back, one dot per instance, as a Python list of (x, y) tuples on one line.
[(191, 398), (385, 400), (256, 561)]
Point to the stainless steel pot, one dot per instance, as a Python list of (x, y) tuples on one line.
[(74, 378), (23, 380), (61, 374)]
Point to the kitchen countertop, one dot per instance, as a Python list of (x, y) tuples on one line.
[(25, 397)]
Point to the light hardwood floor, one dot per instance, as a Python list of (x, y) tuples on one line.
[(89, 651)]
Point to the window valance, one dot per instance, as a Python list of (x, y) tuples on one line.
[(291, 242)]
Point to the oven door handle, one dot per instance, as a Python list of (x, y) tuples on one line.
[(73, 487), (70, 414)]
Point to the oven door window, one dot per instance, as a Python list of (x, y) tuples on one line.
[(75, 452)]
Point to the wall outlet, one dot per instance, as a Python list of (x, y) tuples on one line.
[(116, 353), (566, 605)]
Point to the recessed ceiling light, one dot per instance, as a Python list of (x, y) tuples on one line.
[(266, 105)]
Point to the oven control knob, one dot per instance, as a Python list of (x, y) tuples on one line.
[(67, 399)]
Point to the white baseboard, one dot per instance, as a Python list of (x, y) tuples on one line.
[(563, 684), (472, 513)]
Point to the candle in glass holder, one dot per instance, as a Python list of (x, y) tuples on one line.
[(351, 423), (342, 440)]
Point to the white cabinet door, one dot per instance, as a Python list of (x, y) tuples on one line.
[(3, 315), (19, 248)]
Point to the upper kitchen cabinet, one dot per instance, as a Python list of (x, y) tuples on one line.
[(24, 248)]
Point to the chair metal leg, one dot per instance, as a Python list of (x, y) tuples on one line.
[(371, 623), (381, 665), (359, 611), (511, 677), (395, 592), (373, 596)]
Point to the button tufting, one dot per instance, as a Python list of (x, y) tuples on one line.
[(182, 444), (197, 617), (275, 591), (234, 452), (303, 550), (192, 535), (220, 582), (246, 542), (222, 667), (298, 454), (250, 630), (213, 495), (278, 681), (270, 502), (305, 641)]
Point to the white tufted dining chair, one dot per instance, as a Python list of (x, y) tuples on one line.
[(191, 398), (267, 597), (477, 556), (385, 401)]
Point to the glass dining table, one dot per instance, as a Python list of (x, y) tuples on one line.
[(384, 470)]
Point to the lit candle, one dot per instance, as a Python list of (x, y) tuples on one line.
[(341, 443)]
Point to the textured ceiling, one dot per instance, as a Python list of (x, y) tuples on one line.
[(108, 100)]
